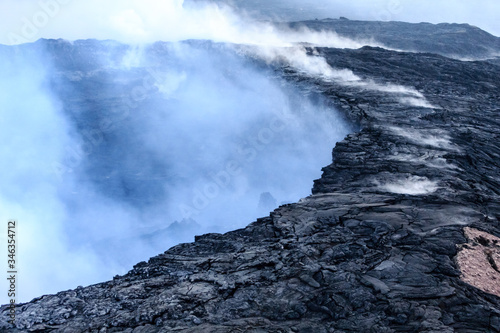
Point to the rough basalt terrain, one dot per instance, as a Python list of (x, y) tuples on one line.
[(377, 247), (462, 41)]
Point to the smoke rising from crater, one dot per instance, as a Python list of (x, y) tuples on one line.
[(105, 156)]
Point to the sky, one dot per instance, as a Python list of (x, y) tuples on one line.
[(134, 20)]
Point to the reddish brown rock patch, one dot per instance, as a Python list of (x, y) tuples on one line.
[(479, 261)]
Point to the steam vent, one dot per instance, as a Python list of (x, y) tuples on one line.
[(400, 234)]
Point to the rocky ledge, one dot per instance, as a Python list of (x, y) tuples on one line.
[(462, 41), (393, 238)]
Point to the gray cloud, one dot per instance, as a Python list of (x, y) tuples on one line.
[(197, 134), (150, 20)]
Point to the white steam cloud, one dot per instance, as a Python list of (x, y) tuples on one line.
[(412, 185), (201, 134), (198, 139), (34, 132), (435, 138)]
